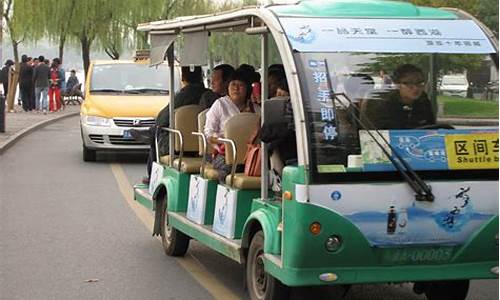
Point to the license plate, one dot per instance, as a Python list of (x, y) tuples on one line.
[(127, 135)]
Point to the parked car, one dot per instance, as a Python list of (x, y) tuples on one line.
[(454, 85), (120, 95)]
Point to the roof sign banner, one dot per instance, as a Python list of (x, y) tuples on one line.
[(386, 35)]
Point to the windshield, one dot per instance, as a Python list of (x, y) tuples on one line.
[(449, 80), (130, 78), (396, 94)]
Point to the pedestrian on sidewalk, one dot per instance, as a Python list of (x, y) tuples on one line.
[(41, 76), (62, 80), (26, 83), (4, 76), (55, 88)]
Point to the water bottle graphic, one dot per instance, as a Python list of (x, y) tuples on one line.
[(392, 220), (402, 221)]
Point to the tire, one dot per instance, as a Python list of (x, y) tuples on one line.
[(447, 290), (88, 154), (261, 285), (175, 243)]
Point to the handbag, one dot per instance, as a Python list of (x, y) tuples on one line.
[(253, 156)]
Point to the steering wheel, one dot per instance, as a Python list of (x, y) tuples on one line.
[(437, 126)]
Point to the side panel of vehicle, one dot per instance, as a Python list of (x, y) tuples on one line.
[(265, 216)]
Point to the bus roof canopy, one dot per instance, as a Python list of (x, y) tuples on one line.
[(342, 26)]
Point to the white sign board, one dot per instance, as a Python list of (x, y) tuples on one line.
[(197, 200), (156, 175), (386, 35), (225, 211)]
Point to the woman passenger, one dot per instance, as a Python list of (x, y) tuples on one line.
[(236, 101)]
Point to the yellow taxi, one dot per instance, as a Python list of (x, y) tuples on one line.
[(121, 95)]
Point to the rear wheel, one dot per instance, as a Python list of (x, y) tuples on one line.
[(261, 285), (175, 243), (447, 290), (88, 154)]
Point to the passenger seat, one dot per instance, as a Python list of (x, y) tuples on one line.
[(186, 122)]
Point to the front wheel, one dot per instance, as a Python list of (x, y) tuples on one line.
[(447, 290), (175, 243), (261, 285)]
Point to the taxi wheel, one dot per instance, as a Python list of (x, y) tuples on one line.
[(447, 290), (260, 284), (88, 154), (175, 243)]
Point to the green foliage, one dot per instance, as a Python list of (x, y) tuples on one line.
[(460, 107), (485, 10)]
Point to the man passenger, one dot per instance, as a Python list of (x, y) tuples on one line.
[(219, 82), (405, 108)]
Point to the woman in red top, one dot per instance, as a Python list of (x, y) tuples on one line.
[(54, 89)]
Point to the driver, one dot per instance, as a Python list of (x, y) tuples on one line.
[(404, 108)]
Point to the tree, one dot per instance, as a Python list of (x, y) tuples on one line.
[(484, 10)]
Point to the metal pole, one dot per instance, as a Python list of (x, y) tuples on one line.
[(433, 82), (171, 140), (264, 186)]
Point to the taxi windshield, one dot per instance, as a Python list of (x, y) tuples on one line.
[(398, 96), (134, 78)]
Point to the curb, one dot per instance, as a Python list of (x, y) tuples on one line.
[(17, 136)]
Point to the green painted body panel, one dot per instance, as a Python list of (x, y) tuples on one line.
[(360, 9), (211, 241), (210, 205), (382, 274), (146, 202), (268, 215), (177, 184), (243, 208)]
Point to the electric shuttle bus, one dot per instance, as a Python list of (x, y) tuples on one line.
[(360, 203)]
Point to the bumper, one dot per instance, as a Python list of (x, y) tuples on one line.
[(462, 94), (383, 274), (109, 138)]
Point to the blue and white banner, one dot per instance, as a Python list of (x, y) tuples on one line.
[(388, 215), (386, 35)]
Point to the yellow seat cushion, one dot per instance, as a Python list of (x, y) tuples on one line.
[(210, 172), (164, 160), (189, 164), (243, 182)]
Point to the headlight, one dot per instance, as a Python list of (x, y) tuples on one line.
[(96, 121)]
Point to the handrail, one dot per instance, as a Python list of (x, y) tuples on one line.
[(203, 152), (157, 152), (181, 142), (233, 166)]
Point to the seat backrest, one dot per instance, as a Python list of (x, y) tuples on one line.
[(274, 110), (202, 119), (186, 121), (240, 128)]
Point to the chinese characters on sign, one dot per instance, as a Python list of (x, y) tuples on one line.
[(322, 96), (387, 36), (472, 151)]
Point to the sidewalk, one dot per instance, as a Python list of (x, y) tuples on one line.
[(20, 123)]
